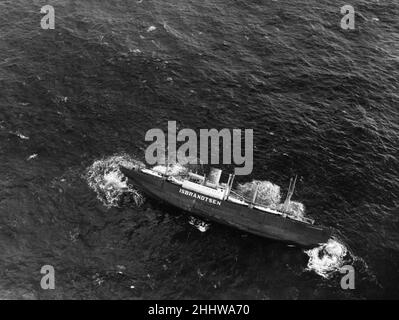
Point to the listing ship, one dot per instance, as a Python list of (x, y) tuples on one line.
[(205, 197)]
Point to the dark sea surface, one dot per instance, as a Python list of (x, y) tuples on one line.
[(323, 103)]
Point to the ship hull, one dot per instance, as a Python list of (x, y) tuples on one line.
[(254, 221)]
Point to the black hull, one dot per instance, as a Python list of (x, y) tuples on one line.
[(254, 221)]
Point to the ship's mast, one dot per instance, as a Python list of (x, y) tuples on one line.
[(167, 162), (229, 185), (290, 192), (227, 188), (254, 196)]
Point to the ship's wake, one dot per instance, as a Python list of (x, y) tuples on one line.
[(328, 258), (109, 183)]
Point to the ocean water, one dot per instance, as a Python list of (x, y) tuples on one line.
[(323, 103)]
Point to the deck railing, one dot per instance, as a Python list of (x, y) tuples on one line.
[(272, 210)]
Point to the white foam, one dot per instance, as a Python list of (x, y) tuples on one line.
[(175, 169), (327, 259), (112, 180), (33, 156), (20, 135), (293, 208), (268, 193), (105, 178)]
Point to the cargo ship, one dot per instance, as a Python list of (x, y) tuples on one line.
[(205, 197)]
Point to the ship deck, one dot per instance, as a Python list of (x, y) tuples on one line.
[(232, 211)]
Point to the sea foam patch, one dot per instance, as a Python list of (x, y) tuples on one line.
[(328, 258), (105, 178)]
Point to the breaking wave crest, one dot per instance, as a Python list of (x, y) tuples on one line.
[(269, 195), (175, 170), (179, 171), (294, 208), (328, 258), (105, 178)]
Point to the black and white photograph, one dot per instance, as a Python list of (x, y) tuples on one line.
[(212, 152)]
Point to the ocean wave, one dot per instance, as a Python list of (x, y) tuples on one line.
[(174, 170), (328, 258), (268, 193), (105, 178)]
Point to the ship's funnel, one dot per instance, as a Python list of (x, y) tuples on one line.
[(214, 176)]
